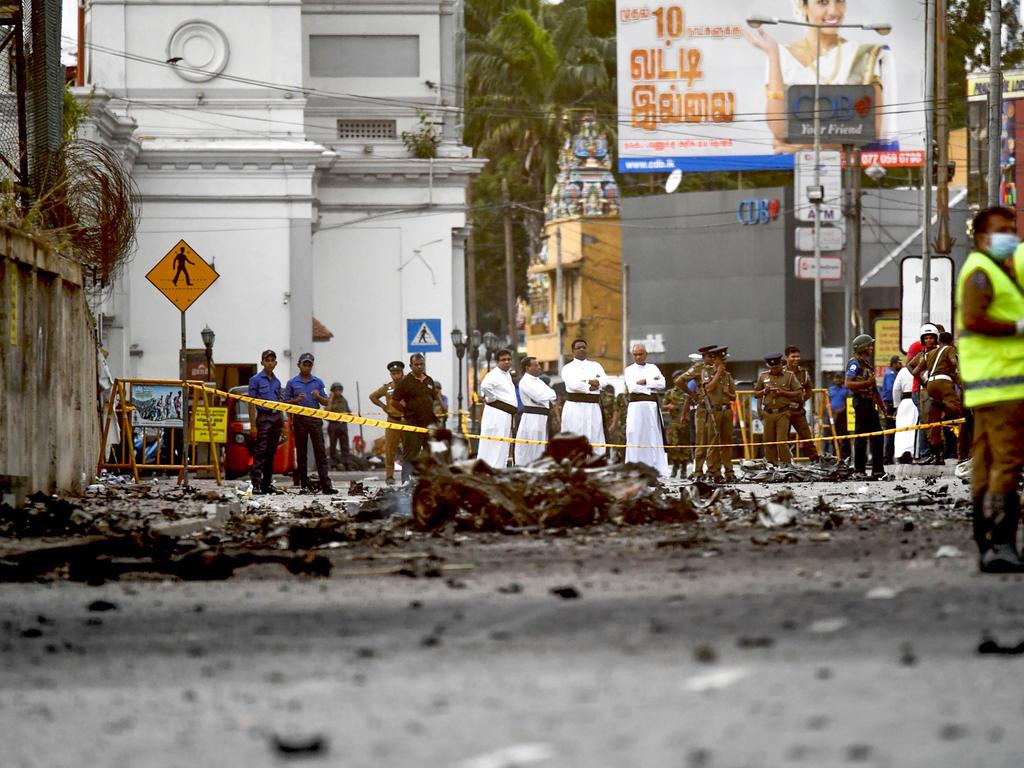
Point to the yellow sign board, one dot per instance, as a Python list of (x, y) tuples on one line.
[(182, 275), (887, 342), (218, 425)]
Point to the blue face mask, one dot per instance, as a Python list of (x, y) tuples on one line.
[(1001, 245)]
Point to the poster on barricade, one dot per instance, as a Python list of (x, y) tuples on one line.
[(156, 405), (699, 89)]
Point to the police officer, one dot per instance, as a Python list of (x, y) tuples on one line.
[(307, 390), (776, 390), (719, 392), (860, 380), (382, 398), (265, 425), (797, 412), (990, 312)]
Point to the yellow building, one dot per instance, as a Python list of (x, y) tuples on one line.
[(583, 243)]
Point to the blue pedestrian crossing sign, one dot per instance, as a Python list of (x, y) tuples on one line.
[(423, 335)]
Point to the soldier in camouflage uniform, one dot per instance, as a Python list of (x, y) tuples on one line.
[(614, 416), (676, 408), (694, 373)]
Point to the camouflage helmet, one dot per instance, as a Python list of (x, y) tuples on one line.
[(862, 342)]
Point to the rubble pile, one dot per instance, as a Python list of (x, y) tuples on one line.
[(760, 471), (545, 494)]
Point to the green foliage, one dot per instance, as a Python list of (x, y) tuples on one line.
[(423, 141), (968, 48), (72, 115)]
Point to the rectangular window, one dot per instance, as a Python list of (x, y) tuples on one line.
[(364, 55), (367, 129)]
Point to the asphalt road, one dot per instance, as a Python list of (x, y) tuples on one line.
[(739, 647)]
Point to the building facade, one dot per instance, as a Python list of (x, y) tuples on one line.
[(582, 256), (269, 137)]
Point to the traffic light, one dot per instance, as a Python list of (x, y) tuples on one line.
[(950, 164)]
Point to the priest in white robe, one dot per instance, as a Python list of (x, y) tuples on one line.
[(645, 438), (583, 379), (906, 415), (538, 400), (500, 404)]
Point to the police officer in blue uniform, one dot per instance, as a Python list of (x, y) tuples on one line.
[(265, 425), (308, 390)]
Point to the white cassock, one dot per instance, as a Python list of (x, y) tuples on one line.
[(497, 387), (643, 419), (584, 418), (533, 426), (906, 412)]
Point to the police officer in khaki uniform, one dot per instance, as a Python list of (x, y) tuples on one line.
[(392, 437), (939, 369), (797, 414), (718, 396), (776, 390), (695, 373), (676, 414)]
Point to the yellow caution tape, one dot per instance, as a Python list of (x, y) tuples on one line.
[(318, 413)]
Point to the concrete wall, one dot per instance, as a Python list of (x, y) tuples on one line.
[(49, 429)]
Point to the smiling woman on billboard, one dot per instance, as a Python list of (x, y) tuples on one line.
[(843, 62)]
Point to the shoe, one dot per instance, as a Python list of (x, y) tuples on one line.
[(1001, 558), (906, 458), (731, 478), (876, 476), (329, 491), (389, 481)]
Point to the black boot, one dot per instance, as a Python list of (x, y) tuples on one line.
[(979, 524), (1002, 515)]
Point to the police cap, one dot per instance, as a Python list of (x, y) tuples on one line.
[(396, 365), (708, 349), (773, 360)]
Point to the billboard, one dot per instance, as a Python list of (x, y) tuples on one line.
[(700, 90)]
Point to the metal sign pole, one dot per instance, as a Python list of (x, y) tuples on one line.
[(186, 441)]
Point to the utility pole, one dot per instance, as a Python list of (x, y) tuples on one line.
[(943, 242), (995, 101), (926, 170), (510, 275), (559, 299)]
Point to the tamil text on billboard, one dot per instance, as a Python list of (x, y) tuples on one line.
[(701, 90)]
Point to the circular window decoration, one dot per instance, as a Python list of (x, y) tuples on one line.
[(198, 51)]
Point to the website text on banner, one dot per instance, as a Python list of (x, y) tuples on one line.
[(695, 83)]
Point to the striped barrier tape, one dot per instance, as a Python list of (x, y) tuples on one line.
[(318, 413)]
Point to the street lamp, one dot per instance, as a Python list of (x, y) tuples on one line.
[(208, 336), (459, 344), (474, 350), (816, 193), (490, 347)]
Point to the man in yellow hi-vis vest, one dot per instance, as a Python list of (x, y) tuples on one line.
[(990, 319)]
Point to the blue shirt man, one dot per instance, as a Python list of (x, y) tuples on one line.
[(889, 379), (837, 395), (309, 391), (303, 388), (265, 385)]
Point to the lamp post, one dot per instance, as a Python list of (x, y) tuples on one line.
[(474, 349), (816, 192), (208, 337), (459, 344), (491, 344)]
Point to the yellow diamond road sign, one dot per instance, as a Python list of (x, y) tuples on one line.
[(182, 275)]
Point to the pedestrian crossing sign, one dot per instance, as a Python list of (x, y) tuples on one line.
[(182, 275), (423, 335)]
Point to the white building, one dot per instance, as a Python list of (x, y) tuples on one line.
[(267, 135)]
